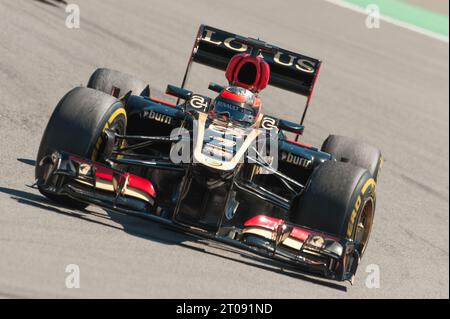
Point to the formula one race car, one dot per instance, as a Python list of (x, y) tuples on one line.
[(217, 167)]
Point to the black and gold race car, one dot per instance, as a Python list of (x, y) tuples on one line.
[(217, 167)]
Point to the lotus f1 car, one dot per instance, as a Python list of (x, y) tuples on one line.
[(217, 167)]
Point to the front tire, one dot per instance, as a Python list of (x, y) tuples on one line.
[(339, 199), (109, 81), (77, 126), (361, 154)]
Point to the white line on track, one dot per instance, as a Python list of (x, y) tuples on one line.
[(405, 25)]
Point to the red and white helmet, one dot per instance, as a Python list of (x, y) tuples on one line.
[(237, 104)]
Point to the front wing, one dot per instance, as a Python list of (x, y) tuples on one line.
[(303, 248)]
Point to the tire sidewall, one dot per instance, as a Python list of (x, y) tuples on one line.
[(116, 110), (104, 111), (365, 190)]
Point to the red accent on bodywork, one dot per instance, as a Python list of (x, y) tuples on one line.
[(142, 184), (106, 173), (314, 83), (300, 143), (162, 102), (272, 224), (263, 221)]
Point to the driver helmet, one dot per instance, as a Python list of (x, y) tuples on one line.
[(236, 104)]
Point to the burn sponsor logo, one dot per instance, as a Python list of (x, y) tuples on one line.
[(296, 160), (152, 115)]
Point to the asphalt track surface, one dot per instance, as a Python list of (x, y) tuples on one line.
[(387, 86)]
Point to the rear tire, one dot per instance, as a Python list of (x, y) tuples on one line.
[(76, 126), (106, 79), (339, 199), (361, 154)]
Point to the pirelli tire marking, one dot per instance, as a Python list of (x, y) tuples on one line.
[(368, 189)]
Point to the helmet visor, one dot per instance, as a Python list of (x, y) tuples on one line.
[(234, 111)]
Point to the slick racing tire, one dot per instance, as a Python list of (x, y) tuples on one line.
[(117, 83), (77, 126), (347, 149), (339, 199)]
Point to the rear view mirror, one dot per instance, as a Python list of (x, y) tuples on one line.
[(290, 127), (216, 87), (178, 92)]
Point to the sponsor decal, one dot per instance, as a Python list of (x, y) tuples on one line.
[(230, 42), (198, 102), (296, 160), (268, 123), (280, 57), (152, 115)]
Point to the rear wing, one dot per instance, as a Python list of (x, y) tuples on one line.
[(288, 70)]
